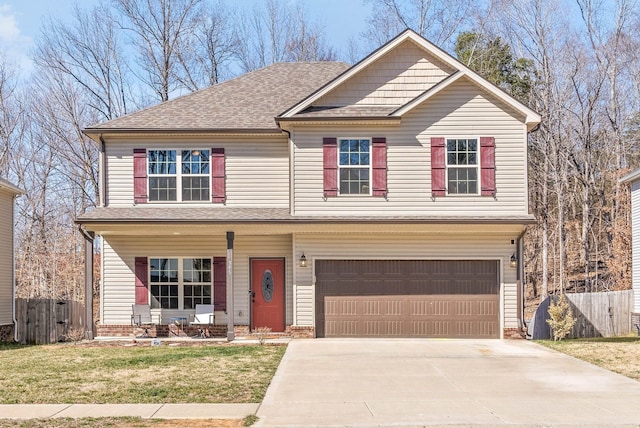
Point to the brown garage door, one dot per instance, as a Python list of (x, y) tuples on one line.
[(407, 298)]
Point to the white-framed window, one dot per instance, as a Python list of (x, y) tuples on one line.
[(180, 283), (354, 165), (179, 175), (462, 166)]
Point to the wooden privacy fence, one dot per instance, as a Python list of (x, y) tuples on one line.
[(42, 321), (602, 314)]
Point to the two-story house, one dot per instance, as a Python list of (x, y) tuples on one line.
[(8, 194), (384, 199)]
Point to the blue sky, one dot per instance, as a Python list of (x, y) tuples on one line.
[(20, 21)]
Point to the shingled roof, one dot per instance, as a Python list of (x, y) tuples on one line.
[(248, 102)]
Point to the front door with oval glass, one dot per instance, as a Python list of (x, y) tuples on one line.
[(267, 294)]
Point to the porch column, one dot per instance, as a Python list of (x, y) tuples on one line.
[(88, 284), (230, 309)]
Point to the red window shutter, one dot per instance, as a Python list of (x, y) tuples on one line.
[(140, 176), (379, 164), (330, 165), (142, 281), (218, 176), (220, 283), (438, 167), (487, 166)]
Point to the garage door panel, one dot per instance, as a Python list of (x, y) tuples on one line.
[(406, 299)]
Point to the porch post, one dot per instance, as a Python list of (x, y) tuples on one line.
[(230, 309), (88, 284)]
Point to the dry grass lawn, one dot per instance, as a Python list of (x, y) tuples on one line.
[(76, 373), (618, 354)]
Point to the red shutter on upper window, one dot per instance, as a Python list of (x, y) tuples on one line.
[(330, 165), (379, 164), (438, 167), (487, 166), (140, 176), (220, 283), (142, 280), (218, 176)]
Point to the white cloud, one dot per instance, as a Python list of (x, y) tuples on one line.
[(13, 43), (9, 31)]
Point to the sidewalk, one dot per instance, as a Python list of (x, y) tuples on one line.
[(145, 411)]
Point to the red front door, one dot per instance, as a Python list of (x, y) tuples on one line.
[(267, 294)]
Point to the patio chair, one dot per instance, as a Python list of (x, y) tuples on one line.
[(141, 317), (204, 316)]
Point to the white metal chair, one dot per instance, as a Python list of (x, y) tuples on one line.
[(141, 317), (204, 316)]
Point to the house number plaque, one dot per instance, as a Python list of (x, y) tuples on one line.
[(267, 285)]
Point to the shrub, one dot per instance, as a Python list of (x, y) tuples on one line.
[(561, 319)]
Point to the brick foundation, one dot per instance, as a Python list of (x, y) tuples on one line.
[(160, 330), (513, 333), (6, 333), (301, 332)]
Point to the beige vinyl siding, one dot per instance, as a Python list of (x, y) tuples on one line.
[(119, 265), (635, 251), (6, 257), (257, 169), (395, 79), (462, 110), (390, 246)]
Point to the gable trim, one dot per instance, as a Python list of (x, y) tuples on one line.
[(432, 91)]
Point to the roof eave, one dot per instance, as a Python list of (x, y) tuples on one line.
[(4, 184), (94, 133), (632, 176), (309, 220)]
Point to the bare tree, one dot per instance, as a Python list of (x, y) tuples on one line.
[(11, 115), (159, 29), (276, 33), (92, 56), (437, 20), (206, 57)]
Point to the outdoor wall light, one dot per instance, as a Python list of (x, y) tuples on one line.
[(303, 260), (513, 262)]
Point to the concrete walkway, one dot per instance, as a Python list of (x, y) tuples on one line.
[(145, 411), (388, 382)]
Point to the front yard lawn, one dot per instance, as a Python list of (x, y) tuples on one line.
[(80, 373), (618, 354)]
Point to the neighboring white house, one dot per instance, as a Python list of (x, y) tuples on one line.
[(8, 193), (633, 179), (386, 199)]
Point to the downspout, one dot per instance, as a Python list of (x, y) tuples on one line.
[(101, 173), (520, 276), (13, 268)]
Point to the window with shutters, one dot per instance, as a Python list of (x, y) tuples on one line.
[(462, 166), (179, 175), (354, 166), (180, 283)]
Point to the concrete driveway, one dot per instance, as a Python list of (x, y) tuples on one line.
[(398, 382)]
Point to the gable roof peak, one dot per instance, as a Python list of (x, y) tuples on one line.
[(532, 119)]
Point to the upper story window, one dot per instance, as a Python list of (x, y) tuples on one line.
[(354, 166), (178, 175), (462, 166)]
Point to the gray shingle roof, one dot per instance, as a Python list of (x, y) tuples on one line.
[(250, 101), (150, 214)]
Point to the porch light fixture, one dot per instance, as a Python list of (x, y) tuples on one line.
[(513, 262), (303, 260)]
